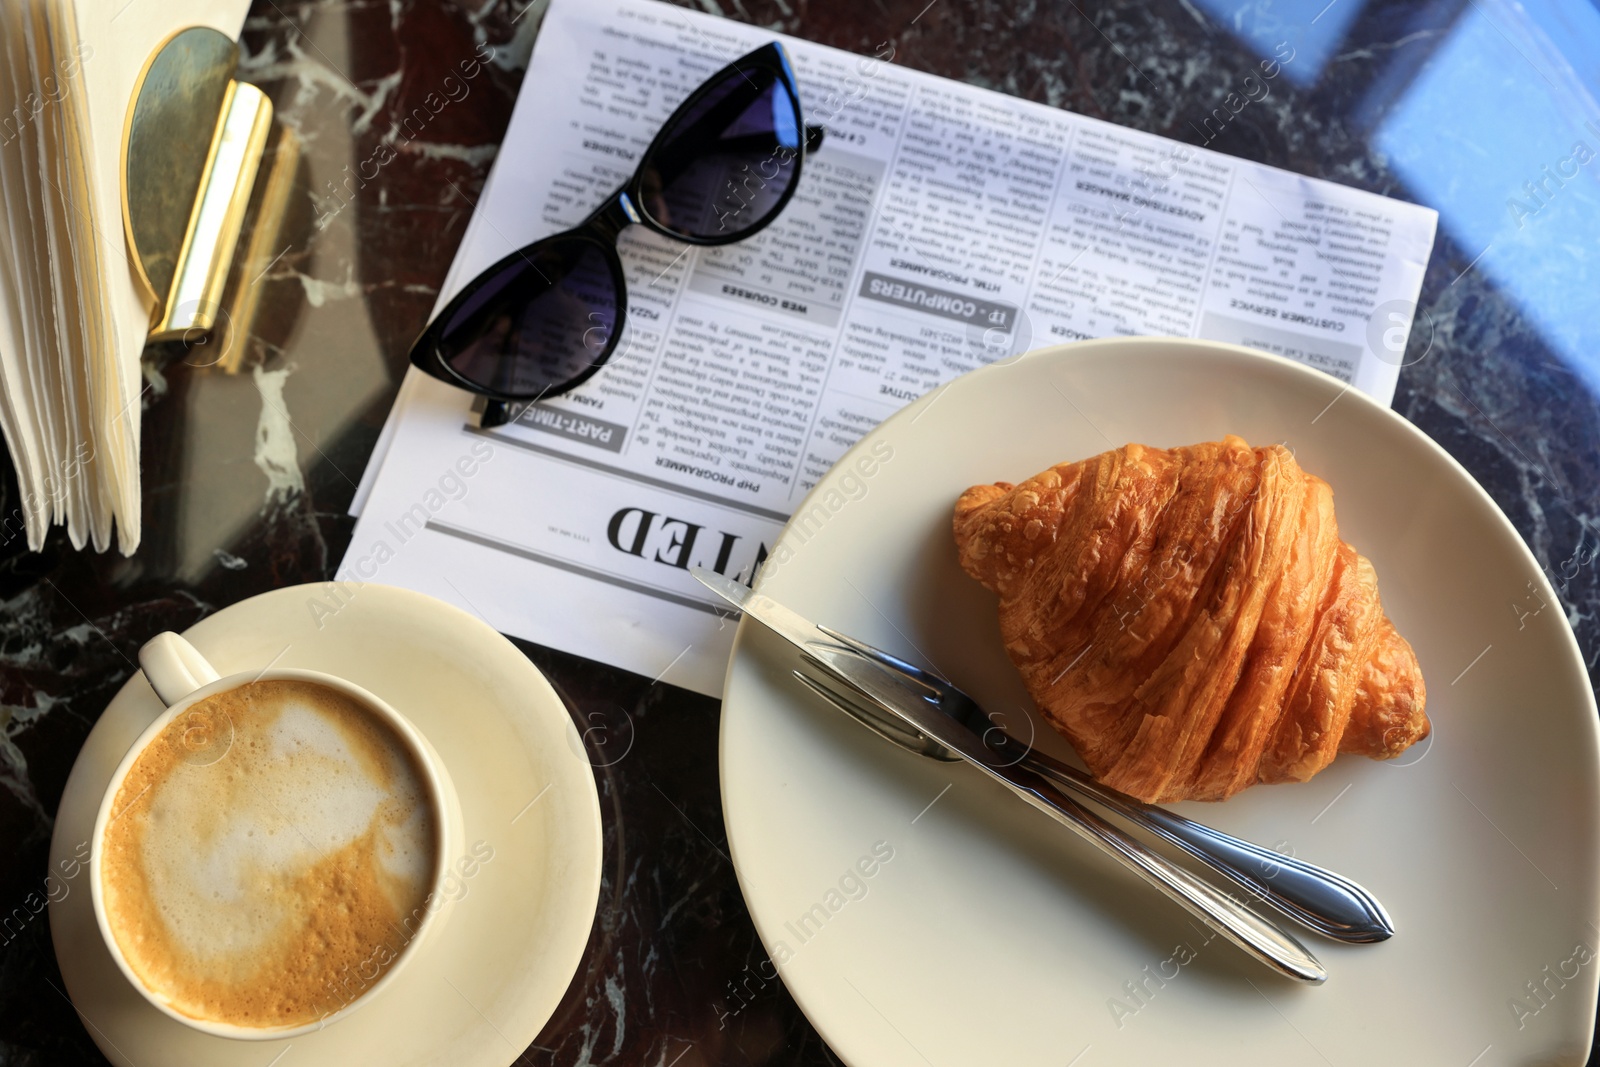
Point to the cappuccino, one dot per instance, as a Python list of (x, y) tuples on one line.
[(269, 855)]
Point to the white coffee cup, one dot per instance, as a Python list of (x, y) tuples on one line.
[(181, 678)]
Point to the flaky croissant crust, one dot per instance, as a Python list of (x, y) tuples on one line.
[(1190, 619)]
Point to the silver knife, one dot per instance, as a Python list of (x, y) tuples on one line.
[(1317, 898), (901, 698)]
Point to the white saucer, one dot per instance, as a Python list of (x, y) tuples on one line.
[(481, 989)]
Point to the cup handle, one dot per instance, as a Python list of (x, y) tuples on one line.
[(174, 667)]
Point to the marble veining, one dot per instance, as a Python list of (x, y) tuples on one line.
[(276, 454), (248, 476)]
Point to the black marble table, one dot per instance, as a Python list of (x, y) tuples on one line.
[(1472, 107)]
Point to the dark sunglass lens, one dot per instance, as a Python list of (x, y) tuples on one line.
[(540, 319), (723, 166)]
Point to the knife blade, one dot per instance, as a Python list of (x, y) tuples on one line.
[(789, 625)]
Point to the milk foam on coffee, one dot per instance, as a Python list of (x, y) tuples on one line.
[(268, 855)]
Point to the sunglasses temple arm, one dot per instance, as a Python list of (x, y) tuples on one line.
[(814, 138), (498, 413)]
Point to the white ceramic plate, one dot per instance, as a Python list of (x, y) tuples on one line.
[(987, 935), (485, 983)]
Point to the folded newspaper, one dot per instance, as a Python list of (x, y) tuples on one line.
[(939, 228)]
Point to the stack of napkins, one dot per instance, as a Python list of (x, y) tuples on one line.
[(73, 318)]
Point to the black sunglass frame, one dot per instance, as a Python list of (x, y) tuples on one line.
[(602, 228)]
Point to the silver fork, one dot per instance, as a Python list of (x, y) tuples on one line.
[(1317, 898)]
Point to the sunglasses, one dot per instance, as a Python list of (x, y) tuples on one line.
[(544, 319)]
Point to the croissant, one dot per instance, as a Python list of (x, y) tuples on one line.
[(1190, 619)]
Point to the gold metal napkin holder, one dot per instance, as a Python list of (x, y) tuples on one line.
[(184, 211)]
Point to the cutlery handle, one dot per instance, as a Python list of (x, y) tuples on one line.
[(1232, 919), (1326, 902)]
